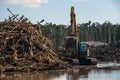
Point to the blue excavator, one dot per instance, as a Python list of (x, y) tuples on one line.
[(77, 52)]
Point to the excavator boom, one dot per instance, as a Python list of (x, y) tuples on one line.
[(73, 23)]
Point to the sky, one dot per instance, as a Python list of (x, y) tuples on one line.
[(58, 11)]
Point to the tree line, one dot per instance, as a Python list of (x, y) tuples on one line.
[(106, 32)]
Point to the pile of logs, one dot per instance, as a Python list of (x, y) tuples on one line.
[(23, 47)]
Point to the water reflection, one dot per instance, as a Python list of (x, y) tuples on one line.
[(74, 74), (31, 76)]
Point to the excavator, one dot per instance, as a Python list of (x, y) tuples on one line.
[(77, 52)]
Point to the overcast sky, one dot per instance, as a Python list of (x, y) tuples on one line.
[(58, 11)]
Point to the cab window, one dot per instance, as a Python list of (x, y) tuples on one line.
[(83, 47)]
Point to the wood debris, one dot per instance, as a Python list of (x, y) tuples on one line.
[(110, 52), (24, 48)]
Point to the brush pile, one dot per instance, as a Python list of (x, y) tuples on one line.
[(24, 48), (110, 52)]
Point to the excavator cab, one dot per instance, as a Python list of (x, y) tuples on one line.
[(84, 55)]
